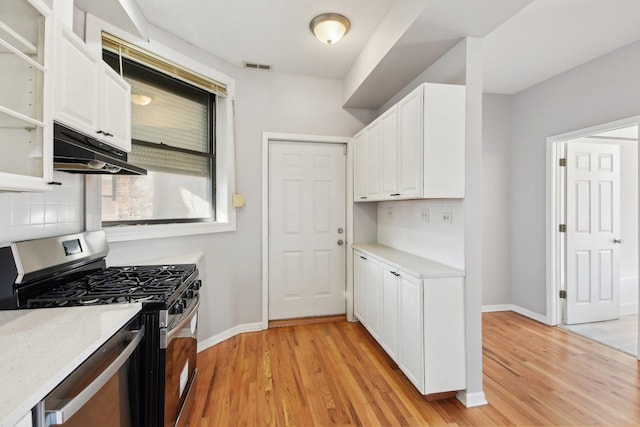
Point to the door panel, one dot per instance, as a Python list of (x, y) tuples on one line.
[(306, 209), (593, 222)]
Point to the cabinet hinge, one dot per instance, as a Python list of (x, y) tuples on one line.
[(563, 162), (563, 294), (344, 149), (562, 228)]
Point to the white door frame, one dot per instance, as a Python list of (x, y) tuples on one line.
[(553, 193), (268, 137)]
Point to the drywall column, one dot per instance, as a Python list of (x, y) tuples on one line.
[(473, 207)]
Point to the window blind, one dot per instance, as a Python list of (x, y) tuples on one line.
[(128, 50)]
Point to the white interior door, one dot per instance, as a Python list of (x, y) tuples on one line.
[(306, 229), (593, 232)]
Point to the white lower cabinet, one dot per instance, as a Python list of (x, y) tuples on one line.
[(373, 289), (419, 321), (411, 329), (390, 311), (368, 296), (359, 295)]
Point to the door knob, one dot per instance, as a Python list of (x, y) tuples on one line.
[(618, 241), (340, 242)]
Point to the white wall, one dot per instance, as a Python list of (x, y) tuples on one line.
[(401, 226), (603, 90), (496, 154), (231, 266)]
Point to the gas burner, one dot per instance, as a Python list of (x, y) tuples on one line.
[(118, 285)]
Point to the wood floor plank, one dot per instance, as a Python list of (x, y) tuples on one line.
[(334, 373)]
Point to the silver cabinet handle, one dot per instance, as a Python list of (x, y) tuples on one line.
[(62, 415), (617, 241), (340, 242)]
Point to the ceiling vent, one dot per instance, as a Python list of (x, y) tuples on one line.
[(255, 66)]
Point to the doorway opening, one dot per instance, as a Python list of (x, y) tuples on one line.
[(593, 233)]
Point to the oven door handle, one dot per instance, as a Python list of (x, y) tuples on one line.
[(62, 415), (187, 318)]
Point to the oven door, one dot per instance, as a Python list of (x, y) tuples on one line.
[(103, 391), (180, 370)]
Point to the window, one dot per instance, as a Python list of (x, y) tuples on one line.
[(173, 137)]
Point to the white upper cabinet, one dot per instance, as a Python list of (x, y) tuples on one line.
[(25, 99), (420, 143), (76, 82), (373, 134), (360, 168), (116, 111), (410, 145), (90, 96), (389, 154)]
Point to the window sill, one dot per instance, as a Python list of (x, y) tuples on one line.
[(142, 232)]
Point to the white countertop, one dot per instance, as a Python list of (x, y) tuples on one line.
[(412, 264), (40, 348)]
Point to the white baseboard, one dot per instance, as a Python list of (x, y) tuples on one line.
[(628, 308), (517, 309), (530, 314), (470, 400), (497, 307), (229, 333)]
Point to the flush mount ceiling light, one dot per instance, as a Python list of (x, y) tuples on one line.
[(139, 99), (329, 28)]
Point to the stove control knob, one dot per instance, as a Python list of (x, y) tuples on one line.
[(178, 308), (190, 294), (196, 285)]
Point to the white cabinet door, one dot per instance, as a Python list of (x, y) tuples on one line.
[(390, 313), (90, 96), (116, 109), (373, 284), (389, 154), (360, 167), (359, 289), (373, 160), (411, 330), (77, 89), (410, 122)]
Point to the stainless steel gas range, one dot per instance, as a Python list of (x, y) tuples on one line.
[(71, 270)]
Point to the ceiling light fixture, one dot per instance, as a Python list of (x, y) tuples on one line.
[(139, 99), (329, 28)]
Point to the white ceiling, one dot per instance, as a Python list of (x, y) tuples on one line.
[(524, 41), (272, 32)]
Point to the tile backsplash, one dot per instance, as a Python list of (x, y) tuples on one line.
[(25, 216), (431, 229)]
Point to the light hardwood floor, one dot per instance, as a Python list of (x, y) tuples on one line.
[(336, 374)]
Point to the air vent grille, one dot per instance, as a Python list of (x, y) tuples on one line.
[(255, 66)]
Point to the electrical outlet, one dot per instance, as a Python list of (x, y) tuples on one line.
[(424, 215), (390, 211), (447, 217)]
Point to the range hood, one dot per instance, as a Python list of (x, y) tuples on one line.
[(76, 152)]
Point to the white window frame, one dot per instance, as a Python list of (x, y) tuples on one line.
[(225, 150)]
